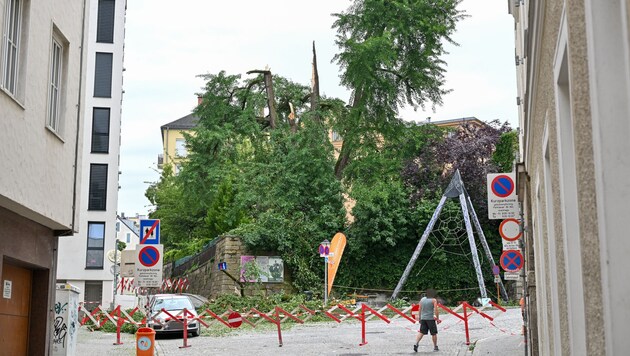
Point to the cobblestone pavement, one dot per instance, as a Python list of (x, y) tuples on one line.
[(329, 338)]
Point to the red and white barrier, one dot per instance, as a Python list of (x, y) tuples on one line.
[(337, 313)]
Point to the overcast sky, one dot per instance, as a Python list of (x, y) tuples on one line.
[(167, 45)]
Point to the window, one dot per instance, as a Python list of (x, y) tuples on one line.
[(105, 22), (100, 130), (54, 86), (95, 245), (93, 294), (98, 187), (11, 45), (180, 147), (128, 237), (103, 75), (336, 136)]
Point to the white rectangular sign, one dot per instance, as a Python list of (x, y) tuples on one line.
[(511, 276), (511, 245), (6, 290), (148, 271), (128, 263), (502, 200)]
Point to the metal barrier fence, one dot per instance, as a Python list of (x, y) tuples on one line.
[(233, 319)]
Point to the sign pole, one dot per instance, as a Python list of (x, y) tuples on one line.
[(498, 295), (325, 280)]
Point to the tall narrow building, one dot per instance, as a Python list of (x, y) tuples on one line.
[(41, 112), (83, 259)]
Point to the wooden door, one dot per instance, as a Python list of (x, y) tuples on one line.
[(15, 302)]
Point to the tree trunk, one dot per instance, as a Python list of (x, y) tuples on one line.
[(346, 146), (271, 102), (315, 88)]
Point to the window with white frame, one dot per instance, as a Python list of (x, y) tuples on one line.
[(11, 45), (336, 136), (54, 86), (180, 147), (128, 237)]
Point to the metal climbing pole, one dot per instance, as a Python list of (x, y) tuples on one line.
[(473, 246), (416, 253)]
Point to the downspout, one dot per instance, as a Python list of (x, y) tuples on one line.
[(76, 142), (79, 108)]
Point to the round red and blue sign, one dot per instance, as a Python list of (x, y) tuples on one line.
[(502, 186), (512, 260), (149, 256)]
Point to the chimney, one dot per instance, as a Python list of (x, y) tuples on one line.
[(199, 100)]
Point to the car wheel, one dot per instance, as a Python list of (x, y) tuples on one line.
[(196, 332)]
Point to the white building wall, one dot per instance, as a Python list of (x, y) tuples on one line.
[(36, 165), (72, 251), (607, 29)]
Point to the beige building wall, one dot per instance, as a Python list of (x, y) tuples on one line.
[(573, 83), (171, 154)]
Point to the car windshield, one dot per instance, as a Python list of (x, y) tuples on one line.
[(172, 304)]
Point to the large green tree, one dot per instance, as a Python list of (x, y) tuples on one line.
[(390, 55)]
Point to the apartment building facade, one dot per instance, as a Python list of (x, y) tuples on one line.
[(83, 258), (41, 108), (573, 77)]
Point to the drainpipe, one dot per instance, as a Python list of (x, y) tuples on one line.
[(79, 108)]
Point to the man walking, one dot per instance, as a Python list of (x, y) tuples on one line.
[(429, 318)]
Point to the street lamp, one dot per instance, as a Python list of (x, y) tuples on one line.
[(324, 251)]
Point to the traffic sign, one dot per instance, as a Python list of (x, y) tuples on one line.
[(510, 229), (502, 186), (510, 276), (512, 260), (148, 271), (495, 270), (148, 256), (235, 320), (222, 266), (324, 251), (497, 278), (150, 232), (502, 200)]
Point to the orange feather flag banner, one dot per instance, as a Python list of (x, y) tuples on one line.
[(337, 245)]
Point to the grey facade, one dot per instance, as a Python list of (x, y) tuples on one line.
[(573, 75)]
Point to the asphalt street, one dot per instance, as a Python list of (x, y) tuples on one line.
[(500, 337)]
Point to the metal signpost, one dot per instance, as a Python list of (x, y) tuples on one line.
[(324, 251)]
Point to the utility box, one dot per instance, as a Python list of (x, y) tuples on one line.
[(66, 323)]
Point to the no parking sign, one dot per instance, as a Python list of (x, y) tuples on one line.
[(148, 272), (502, 200)]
